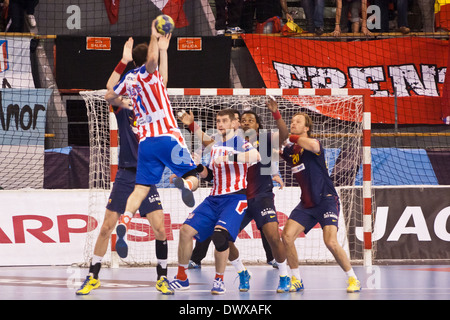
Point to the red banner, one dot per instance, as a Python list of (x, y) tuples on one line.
[(413, 67)]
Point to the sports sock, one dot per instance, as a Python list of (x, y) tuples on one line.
[(161, 255), (219, 275), (96, 264), (181, 275), (188, 184), (296, 273), (282, 268), (351, 273), (238, 265), (96, 259)]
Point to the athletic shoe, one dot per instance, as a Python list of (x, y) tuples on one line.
[(193, 265), (220, 32), (178, 284), (186, 193), (218, 286), (273, 263), (296, 285), (234, 30), (353, 285), (88, 285), (163, 286), (244, 281), (121, 231), (284, 284)]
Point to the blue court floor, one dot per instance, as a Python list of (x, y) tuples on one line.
[(322, 282)]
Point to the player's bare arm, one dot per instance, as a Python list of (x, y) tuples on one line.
[(250, 156), (127, 57), (283, 132), (188, 120), (118, 101), (306, 143), (163, 45), (153, 50)]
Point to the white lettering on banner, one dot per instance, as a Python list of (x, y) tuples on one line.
[(419, 228), (74, 20), (405, 79), (440, 224)]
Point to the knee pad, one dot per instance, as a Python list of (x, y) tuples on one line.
[(220, 239)]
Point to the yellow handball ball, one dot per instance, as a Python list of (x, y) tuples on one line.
[(164, 24)]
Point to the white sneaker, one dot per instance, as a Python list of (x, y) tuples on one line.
[(220, 32), (31, 20), (234, 30)]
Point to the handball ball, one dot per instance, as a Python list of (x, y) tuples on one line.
[(164, 24)]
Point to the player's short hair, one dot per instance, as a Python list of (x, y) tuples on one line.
[(258, 120), (139, 54), (308, 121), (227, 112), (236, 112)]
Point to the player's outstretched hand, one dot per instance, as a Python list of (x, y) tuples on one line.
[(154, 31), (186, 118), (164, 41), (272, 104), (127, 54)]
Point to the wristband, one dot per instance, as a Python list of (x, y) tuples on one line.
[(294, 138), (193, 127), (120, 68), (276, 115), (232, 157)]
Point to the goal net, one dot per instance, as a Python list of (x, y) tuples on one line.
[(338, 117)]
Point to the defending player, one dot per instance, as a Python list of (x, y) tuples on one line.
[(319, 201), (124, 185), (220, 214), (260, 197), (161, 143)]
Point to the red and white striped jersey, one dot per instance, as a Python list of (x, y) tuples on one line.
[(229, 176), (154, 114)]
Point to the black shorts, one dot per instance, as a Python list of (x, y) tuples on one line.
[(123, 187), (262, 210)]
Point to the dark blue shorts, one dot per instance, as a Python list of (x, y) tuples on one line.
[(123, 187), (156, 153), (260, 209), (226, 210), (326, 213)]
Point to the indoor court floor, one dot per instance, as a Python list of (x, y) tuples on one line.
[(322, 282)]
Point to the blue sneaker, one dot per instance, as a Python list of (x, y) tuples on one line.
[(244, 281), (218, 286), (178, 284), (193, 265), (186, 195), (121, 245), (284, 285)]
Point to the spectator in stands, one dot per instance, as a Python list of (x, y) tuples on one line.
[(228, 16), (17, 11), (427, 9), (356, 7), (314, 15), (269, 15), (402, 15)]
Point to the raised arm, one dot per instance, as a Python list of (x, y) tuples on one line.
[(163, 45), (127, 57), (153, 50), (283, 132)]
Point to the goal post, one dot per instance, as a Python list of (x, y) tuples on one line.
[(342, 123)]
